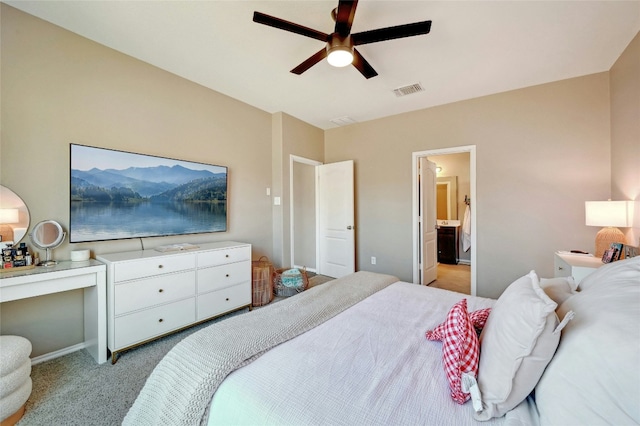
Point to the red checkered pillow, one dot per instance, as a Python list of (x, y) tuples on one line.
[(460, 348), (478, 319)]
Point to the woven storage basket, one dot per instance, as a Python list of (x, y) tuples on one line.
[(261, 284), (280, 277)]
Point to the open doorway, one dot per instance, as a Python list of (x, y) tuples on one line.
[(457, 254), (302, 184), (322, 215)]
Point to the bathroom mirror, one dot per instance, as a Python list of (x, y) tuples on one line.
[(447, 198), (14, 216), (47, 235)]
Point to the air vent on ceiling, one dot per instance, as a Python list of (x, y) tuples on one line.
[(343, 121), (408, 90)]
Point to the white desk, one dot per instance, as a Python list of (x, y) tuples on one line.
[(89, 275)]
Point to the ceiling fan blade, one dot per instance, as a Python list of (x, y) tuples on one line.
[(362, 65), (272, 21), (344, 16), (390, 33), (311, 61)]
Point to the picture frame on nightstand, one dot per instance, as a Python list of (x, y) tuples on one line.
[(609, 255), (618, 248)]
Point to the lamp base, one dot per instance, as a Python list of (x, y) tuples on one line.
[(605, 237)]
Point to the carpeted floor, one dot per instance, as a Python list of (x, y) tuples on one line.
[(453, 277), (74, 390)]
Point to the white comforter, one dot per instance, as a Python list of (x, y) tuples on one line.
[(369, 365)]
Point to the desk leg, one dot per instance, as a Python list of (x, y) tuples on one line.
[(95, 319)]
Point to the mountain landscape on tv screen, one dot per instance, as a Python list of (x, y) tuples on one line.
[(154, 184)]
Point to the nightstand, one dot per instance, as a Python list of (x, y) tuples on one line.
[(577, 266)]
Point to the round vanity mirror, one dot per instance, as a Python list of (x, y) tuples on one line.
[(47, 235), (14, 217)]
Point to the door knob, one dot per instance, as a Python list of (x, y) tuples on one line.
[(349, 227)]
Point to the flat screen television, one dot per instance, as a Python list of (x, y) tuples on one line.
[(118, 195)]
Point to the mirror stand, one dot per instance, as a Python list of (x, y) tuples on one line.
[(48, 261)]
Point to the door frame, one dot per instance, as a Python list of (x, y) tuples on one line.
[(415, 210), (310, 162)]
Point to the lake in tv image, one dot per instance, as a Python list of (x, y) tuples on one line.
[(118, 195)]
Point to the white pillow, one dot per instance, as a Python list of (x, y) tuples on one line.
[(559, 289), (593, 377), (615, 271), (516, 344)]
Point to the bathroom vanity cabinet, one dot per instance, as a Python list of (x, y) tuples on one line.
[(448, 245)]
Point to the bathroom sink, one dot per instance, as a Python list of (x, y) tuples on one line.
[(448, 223)]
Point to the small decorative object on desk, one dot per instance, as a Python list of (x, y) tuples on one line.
[(16, 258), (262, 283), (288, 281)]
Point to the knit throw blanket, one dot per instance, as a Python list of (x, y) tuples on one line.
[(179, 390)]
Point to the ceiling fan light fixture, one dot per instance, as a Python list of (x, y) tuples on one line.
[(340, 56)]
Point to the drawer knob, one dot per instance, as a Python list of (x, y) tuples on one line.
[(160, 320), (227, 299), (227, 275), (560, 268), (160, 266), (160, 291), (226, 255)]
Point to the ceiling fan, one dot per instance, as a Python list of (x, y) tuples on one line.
[(340, 48)]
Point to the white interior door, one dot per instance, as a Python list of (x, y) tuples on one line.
[(336, 234), (429, 233)]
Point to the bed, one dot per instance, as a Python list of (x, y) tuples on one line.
[(354, 351)]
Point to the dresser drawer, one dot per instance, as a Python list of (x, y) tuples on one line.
[(218, 277), (142, 268), (222, 256), (149, 323), (136, 295), (220, 301)]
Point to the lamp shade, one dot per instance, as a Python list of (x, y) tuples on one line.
[(609, 213), (9, 216), (340, 56)]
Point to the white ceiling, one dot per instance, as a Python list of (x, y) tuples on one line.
[(475, 48)]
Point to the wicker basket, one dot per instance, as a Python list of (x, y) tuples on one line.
[(282, 290), (262, 284)]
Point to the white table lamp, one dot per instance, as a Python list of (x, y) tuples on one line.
[(610, 215)]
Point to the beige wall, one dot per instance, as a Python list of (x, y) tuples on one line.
[(59, 88), (304, 215), (541, 152), (625, 131)]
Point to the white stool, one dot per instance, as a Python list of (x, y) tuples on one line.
[(15, 378)]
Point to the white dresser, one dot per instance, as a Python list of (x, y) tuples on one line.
[(151, 293)]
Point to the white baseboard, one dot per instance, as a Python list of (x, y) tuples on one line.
[(464, 262), (303, 267), (56, 354)]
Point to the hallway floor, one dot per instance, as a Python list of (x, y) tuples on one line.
[(453, 277)]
